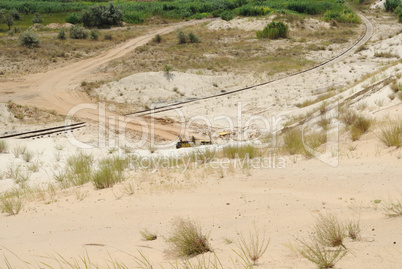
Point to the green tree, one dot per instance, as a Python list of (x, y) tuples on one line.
[(9, 20), (101, 16)]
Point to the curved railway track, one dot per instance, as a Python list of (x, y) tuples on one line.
[(363, 39), (66, 128)]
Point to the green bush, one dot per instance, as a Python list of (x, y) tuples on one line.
[(391, 5), (73, 18), (181, 36), (15, 14), (157, 38), (37, 18), (29, 39), (62, 34), (94, 34), (193, 38), (109, 173), (345, 15), (274, 30), (227, 15), (102, 16), (78, 32)]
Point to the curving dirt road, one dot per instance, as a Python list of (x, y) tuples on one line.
[(54, 90)]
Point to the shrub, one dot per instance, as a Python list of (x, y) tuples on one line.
[(3, 146), (15, 14), (188, 239), (227, 15), (73, 18), (345, 15), (9, 20), (78, 32), (392, 136), (108, 36), (29, 39), (148, 235), (94, 34), (193, 38), (181, 36), (391, 5), (37, 18), (255, 246), (274, 30), (78, 170), (62, 34), (157, 38), (102, 16)]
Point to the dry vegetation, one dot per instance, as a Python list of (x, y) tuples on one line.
[(18, 60), (231, 50)]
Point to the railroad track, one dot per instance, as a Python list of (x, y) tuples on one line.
[(46, 132), (363, 39), (69, 128)]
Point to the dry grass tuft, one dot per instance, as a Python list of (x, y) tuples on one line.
[(329, 231), (255, 245), (148, 236), (392, 136), (188, 239)]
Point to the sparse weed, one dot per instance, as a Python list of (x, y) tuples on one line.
[(27, 156), (11, 205), (392, 136), (109, 173), (148, 236), (18, 150), (322, 256), (241, 152), (329, 231), (393, 208), (293, 142), (256, 244), (78, 170), (353, 229), (3, 146), (188, 239)]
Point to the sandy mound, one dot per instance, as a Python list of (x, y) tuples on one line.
[(254, 24), (58, 25), (158, 87), (379, 4)]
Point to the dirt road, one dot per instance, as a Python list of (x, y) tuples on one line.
[(54, 90)]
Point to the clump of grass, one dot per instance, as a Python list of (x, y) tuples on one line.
[(393, 208), (11, 205), (392, 136), (242, 152), (255, 246), (27, 156), (188, 239), (110, 172), (78, 170), (3, 146), (359, 127), (18, 150), (293, 142), (148, 235), (329, 231), (353, 230), (322, 256)]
